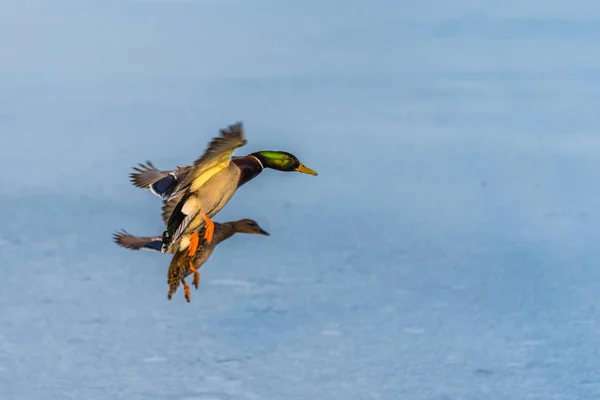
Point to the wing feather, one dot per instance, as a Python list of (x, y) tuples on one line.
[(168, 207), (128, 241), (146, 174), (216, 157), (163, 184), (183, 226)]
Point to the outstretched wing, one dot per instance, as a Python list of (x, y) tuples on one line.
[(216, 157), (162, 183), (124, 239)]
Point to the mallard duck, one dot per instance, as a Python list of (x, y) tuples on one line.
[(184, 264), (193, 194)]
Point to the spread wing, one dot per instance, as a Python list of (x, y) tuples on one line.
[(162, 183), (124, 239), (216, 157)]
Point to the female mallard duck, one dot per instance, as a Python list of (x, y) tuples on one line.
[(184, 264), (193, 194)]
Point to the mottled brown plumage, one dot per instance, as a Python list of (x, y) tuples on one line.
[(182, 264)]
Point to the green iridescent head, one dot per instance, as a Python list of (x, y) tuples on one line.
[(282, 161)]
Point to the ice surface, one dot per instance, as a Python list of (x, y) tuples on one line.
[(448, 249)]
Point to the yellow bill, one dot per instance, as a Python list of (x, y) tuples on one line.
[(305, 170)]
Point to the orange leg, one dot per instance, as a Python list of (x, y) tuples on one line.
[(194, 240), (196, 281), (210, 229), (186, 290)]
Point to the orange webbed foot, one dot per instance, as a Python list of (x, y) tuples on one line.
[(194, 240), (196, 280), (210, 229), (186, 291)]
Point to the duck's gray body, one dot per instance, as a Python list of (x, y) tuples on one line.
[(205, 189), (167, 184), (208, 200)]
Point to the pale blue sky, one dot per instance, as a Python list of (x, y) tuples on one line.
[(447, 249)]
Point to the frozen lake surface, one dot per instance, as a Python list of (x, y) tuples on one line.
[(448, 249)]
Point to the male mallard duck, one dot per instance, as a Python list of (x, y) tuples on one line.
[(193, 194), (184, 264)]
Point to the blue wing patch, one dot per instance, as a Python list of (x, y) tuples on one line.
[(164, 187), (154, 245)]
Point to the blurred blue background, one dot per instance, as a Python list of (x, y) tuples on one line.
[(447, 250)]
